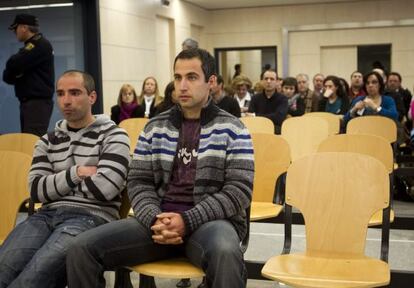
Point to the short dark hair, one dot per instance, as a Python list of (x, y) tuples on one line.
[(270, 70), (220, 80), (395, 74), (379, 78), (88, 81), (290, 81), (208, 64)]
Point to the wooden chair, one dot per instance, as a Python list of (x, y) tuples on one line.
[(175, 268), (271, 158), (333, 120), (337, 204), (24, 143), (258, 124), (378, 148), (373, 125), (133, 127), (304, 134), (19, 142), (14, 171)]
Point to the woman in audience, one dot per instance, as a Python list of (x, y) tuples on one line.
[(169, 98), (150, 97), (127, 106), (241, 86), (374, 103), (296, 104), (334, 99)]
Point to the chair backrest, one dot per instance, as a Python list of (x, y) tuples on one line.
[(271, 159), (371, 145), (374, 125), (333, 120), (304, 134), (14, 171), (258, 124), (337, 193), (19, 142), (133, 127)]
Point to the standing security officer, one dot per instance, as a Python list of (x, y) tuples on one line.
[(31, 71)]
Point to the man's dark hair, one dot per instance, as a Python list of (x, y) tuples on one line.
[(379, 78), (88, 81), (220, 80), (208, 64), (270, 70), (396, 74)]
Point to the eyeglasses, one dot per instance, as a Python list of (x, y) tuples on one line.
[(374, 82)]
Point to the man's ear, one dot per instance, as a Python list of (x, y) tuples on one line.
[(92, 97), (212, 81)]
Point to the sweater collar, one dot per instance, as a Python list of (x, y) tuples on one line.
[(208, 113)]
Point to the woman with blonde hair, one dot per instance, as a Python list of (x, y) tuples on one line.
[(127, 105), (150, 97), (241, 86)]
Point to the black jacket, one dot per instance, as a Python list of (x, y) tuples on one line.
[(116, 111), (31, 70)]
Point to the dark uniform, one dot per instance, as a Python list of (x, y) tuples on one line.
[(31, 71)]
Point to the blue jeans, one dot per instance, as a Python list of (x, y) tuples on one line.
[(214, 247), (33, 254)]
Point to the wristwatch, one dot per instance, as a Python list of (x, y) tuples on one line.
[(378, 109)]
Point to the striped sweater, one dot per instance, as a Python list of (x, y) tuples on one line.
[(53, 179), (224, 174)]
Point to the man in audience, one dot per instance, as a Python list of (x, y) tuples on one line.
[(225, 102), (357, 85), (318, 85), (310, 99), (394, 87), (270, 103), (189, 43), (190, 183), (78, 172)]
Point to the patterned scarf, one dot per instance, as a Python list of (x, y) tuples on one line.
[(126, 110)]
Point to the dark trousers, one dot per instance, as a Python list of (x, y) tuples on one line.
[(35, 116), (214, 247)]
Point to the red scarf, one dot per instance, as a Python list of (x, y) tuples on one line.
[(126, 110)]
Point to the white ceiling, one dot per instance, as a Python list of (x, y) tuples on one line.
[(227, 4)]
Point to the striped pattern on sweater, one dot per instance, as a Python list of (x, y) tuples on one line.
[(53, 179), (224, 175)]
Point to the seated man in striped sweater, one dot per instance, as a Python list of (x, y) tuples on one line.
[(189, 183), (78, 172)]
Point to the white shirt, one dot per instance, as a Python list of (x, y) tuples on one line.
[(148, 101), (242, 102)]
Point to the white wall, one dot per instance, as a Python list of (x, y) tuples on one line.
[(140, 38)]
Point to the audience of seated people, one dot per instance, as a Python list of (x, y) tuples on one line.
[(127, 105), (296, 104)]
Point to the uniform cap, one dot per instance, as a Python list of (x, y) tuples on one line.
[(25, 19)]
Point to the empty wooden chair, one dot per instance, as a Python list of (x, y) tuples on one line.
[(336, 203), (373, 125), (304, 134), (20, 142), (271, 158), (14, 171), (133, 127), (334, 121), (258, 124)]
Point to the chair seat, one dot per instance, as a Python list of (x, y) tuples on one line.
[(176, 268), (300, 270), (376, 219), (264, 210)]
